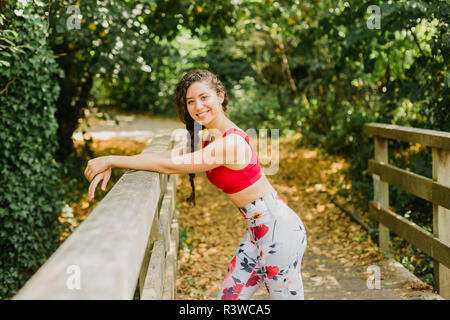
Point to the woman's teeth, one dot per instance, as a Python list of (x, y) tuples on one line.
[(203, 113)]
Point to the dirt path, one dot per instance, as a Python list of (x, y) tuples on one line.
[(129, 126)]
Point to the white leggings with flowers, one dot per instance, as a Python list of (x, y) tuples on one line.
[(271, 253)]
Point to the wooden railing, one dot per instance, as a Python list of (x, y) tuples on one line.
[(130, 239), (435, 190)]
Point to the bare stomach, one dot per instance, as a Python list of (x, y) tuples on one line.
[(260, 188)]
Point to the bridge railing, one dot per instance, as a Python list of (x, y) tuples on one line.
[(435, 190), (128, 241)]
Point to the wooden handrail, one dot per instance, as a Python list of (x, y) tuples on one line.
[(426, 137), (435, 190), (104, 257), (414, 234), (418, 185)]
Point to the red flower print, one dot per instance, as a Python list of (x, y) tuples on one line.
[(232, 265), (232, 293), (254, 280), (278, 197), (260, 231), (228, 294), (237, 288), (271, 271)]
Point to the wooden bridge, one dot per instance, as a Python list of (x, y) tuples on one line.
[(435, 190), (127, 247)]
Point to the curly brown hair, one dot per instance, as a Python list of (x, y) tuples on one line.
[(188, 79)]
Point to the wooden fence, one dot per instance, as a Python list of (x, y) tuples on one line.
[(129, 241), (435, 190)]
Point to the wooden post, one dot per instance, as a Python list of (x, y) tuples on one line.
[(441, 219), (153, 237), (154, 280), (381, 155)]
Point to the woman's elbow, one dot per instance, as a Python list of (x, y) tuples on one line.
[(165, 169), (170, 168), (167, 165)]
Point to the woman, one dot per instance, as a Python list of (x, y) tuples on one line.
[(273, 245)]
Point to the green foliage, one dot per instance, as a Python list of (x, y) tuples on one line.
[(118, 49), (331, 74), (29, 185), (186, 240), (414, 259), (254, 108), (72, 178), (308, 66), (120, 52)]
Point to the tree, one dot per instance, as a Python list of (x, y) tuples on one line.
[(116, 42)]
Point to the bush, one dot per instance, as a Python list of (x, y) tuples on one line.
[(29, 182), (254, 108)]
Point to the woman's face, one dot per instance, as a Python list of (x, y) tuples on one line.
[(203, 104)]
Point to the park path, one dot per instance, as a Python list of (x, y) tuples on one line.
[(130, 126), (324, 277)]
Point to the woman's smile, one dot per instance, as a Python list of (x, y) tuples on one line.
[(202, 114), (203, 103)]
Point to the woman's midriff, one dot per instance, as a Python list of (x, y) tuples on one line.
[(260, 188)]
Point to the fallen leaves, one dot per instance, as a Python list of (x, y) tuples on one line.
[(82, 208), (416, 285), (304, 178)]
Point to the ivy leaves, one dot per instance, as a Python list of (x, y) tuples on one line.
[(29, 176)]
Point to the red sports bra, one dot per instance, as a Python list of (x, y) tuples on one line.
[(232, 181)]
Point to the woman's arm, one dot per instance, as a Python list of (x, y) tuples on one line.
[(208, 158), (152, 161), (100, 164), (173, 161), (146, 161), (168, 162)]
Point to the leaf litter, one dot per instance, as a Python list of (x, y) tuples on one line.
[(304, 179)]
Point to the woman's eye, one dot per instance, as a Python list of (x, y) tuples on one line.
[(204, 97)]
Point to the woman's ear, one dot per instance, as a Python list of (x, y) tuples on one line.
[(221, 96)]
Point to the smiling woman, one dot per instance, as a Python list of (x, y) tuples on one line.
[(273, 246)]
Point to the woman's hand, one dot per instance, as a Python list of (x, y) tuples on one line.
[(105, 175), (95, 166)]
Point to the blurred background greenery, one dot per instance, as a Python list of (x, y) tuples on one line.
[(312, 67)]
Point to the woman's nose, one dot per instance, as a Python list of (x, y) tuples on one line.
[(198, 105)]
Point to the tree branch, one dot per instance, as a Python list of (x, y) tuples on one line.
[(5, 89), (286, 65), (417, 43), (48, 28)]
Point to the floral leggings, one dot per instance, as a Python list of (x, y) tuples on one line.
[(270, 252)]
